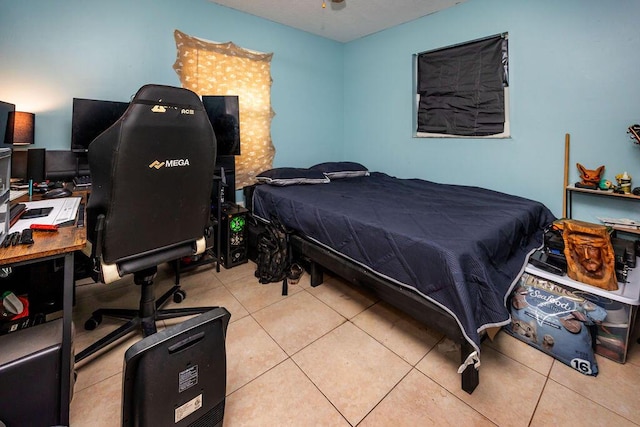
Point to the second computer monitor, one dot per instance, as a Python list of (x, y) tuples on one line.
[(224, 115)]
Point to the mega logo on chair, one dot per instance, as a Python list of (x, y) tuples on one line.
[(169, 163)]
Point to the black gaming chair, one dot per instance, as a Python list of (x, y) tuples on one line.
[(152, 173)]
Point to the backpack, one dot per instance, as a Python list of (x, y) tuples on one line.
[(274, 257)]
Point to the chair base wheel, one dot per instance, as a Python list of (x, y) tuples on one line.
[(92, 323), (179, 296)]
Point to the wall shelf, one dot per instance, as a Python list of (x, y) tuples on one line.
[(571, 189)]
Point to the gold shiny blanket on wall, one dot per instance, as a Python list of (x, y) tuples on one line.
[(210, 68)]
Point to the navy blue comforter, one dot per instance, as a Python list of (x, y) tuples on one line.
[(460, 247)]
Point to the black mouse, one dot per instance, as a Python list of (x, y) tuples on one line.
[(57, 193)]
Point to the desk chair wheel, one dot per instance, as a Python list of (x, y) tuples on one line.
[(179, 296), (92, 322)]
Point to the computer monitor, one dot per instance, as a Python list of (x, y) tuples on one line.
[(224, 115), (90, 118), (178, 375), (64, 165), (5, 109)]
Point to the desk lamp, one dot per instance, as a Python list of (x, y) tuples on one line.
[(20, 128)]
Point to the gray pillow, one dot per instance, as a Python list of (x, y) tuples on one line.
[(337, 170), (291, 176)]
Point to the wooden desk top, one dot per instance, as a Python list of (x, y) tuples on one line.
[(46, 243)]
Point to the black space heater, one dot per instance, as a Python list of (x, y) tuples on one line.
[(177, 376)]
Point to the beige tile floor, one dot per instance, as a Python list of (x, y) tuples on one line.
[(335, 356)]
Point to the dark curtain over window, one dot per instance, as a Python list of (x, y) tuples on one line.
[(461, 88)]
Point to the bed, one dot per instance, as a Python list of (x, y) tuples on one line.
[(448, 255)]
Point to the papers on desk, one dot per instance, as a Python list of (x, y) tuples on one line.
[(14, 194), (64, 210)]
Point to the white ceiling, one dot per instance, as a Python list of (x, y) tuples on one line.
[(344, 21)]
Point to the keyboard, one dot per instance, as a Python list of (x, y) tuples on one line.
[(82, 181)]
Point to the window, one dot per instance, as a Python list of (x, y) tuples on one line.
[(462, 90), (210, 68)]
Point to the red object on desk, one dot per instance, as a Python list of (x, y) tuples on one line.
[(43, 227)]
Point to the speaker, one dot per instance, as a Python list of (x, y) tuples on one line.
[(233, 235), (36, 164), (19, 164)]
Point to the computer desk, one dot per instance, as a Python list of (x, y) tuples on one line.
[(48, 246)]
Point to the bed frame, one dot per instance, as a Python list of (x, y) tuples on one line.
[(320, 258), (415, 305)]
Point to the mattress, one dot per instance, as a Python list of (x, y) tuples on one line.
[(461, 247)]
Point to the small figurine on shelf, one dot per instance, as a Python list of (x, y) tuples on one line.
[(605, 185), (624, 182), (590, 177)]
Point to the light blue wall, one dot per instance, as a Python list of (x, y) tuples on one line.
[(54, 50), (574, 68)]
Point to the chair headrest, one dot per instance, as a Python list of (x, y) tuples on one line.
[(160, 94)]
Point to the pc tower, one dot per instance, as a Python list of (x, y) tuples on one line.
[(233, 235), (30, 369)]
